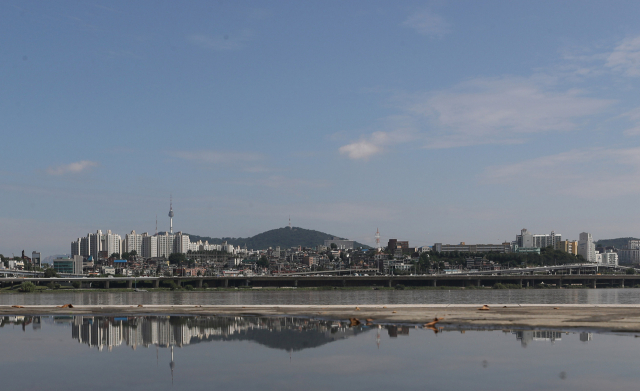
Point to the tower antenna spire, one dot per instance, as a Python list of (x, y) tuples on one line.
[(289, 221), (156, 224), (378, 239), (171, 214)]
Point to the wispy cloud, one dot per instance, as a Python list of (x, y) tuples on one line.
[(428, 23), (221, 42), (502, 110), (625, 58), (72, 168), (586, 173), (245, 161), (217, 157), (634, 117)]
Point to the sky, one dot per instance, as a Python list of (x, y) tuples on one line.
[(437, 121)]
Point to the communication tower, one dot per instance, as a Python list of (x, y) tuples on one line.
[(171, 215), (378, 239)]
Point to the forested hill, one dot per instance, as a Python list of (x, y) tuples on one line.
[(617, 243), (280, 237)]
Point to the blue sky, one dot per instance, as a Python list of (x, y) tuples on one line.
[(437, 121)]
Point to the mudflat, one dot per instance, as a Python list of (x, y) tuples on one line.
[(618, 317)]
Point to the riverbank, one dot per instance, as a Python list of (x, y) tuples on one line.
[(617, 318)]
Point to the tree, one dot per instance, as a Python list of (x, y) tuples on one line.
[(76, 284), (50, 272), (27, 286), (133, 253), (263, 262), (334, 246), (631, 271), (115, 255), (126, 255), (177, 259)]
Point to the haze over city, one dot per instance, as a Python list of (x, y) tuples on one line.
[(433, 121)]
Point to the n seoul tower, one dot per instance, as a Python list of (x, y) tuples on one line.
[(171, 214)]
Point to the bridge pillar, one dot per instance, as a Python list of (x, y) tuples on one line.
[(521, 283), (390, 283), (344, 283), (156, 283), (434, 282), (594, 283), (200, 283), (246, 282), (295, 283), (559, 283), (226, 282), (129, 284), (622, 283), (106, 285), (527, 283), (478, 282)]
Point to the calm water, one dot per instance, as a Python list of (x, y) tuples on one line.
[(250, 353), (493, 296)]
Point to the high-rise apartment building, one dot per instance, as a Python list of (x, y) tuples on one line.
[(149, 246), (181, 243), (94, 242), (112, 243), (133, 242), (165, 244), (586, 247)]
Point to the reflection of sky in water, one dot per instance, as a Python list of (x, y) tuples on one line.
[(290, 353), (349, 297)]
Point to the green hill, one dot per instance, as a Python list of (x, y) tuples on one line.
[(617, 243), (280, 237)]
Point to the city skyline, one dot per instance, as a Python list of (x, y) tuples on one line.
[(437, 122)]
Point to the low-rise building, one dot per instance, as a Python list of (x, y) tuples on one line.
[(472, 248)]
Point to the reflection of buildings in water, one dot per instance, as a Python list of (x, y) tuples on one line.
[(394, 331), (586, 337), (290, 334), (527, 336)]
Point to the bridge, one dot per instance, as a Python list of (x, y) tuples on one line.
[(592, 280)]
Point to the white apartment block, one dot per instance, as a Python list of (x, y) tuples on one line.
[(181, 244), (608, 258), (587, 248), (112, 243), (133, 242), (149, 246), (529, 240)]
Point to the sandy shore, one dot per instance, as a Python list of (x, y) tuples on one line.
[(605, 317)]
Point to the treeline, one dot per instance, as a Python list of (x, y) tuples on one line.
[(547, 257)]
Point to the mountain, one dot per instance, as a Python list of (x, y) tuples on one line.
[(617, 243), (280, 237)]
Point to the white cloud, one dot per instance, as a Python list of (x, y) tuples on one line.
[(362, 149), (221, 42), (72, 168), (427, 23), (625, 58), (585, 173), (375, 143)]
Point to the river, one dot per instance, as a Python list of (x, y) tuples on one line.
[(301, 297)]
